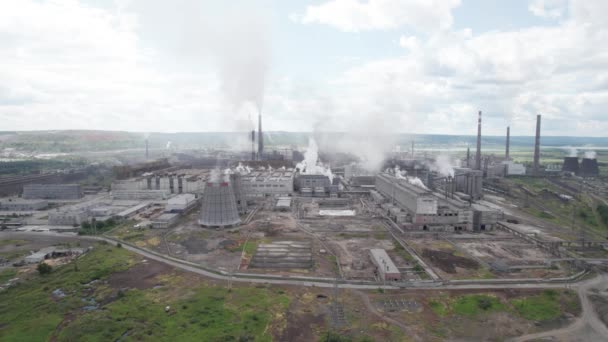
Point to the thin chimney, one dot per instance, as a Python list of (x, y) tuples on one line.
[(146, 149), (468, 156), (508, 142), (260, 137), (478, 154)]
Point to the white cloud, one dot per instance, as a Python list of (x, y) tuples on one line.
[(357, 15), (552, 9)]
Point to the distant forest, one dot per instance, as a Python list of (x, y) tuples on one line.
[(74, 141)]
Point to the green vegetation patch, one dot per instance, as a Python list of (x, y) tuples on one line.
[(438, 308), (545, 306), (32, 311), (7, 274), (10, 242), (211, 314), (602, 211), (29, 311), (475, 304)]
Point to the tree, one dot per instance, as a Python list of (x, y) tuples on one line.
[(44, 268)]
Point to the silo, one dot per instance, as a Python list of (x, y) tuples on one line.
[(219, 207)]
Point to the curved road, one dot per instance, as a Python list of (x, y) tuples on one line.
[(588, 319)]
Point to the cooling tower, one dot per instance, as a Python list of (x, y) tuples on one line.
[(589, 168), (219, 206), (570, 165)]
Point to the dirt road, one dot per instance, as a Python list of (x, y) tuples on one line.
[(588, 327)]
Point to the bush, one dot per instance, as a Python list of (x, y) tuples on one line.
[(484, 303), (119, 245), (44, 268)]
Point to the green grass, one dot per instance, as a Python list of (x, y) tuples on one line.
[(28, 312), (473, 305), (538, 308), (602, 211), (438, 308), (7, 274), (12, 243), (211, 314)]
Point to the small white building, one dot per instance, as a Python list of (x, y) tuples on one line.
[(512, 169), (165, 220)]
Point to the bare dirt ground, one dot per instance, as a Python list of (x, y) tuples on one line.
[(141, 276)]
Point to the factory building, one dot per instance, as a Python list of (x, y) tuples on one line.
[(183, 181), (414, 199), (165, 220), (385, 267), (181, 203), (469, 182), (423, 209), (137, 195), (53, 191), (18, 204), (261, 183)]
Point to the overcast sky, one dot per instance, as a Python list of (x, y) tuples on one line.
[(423, 66)]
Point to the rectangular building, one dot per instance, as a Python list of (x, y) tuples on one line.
[(18, 204), (385, 267), (52, 191)]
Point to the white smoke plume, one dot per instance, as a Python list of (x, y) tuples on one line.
[(168, 146), (442, 165), (572, 151), (243, 169), (402, 174), (590, 154), (311, 164)]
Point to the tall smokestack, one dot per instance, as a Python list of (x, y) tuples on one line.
[(478, 154), (537, 146), (146, 149), (508, 142), (468, 156), (260, 137), (253, 144), (412, 148)]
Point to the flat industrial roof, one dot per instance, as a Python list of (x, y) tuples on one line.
[(382, 258)]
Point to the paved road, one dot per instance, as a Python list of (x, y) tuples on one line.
[(588, 319), (190, 267)]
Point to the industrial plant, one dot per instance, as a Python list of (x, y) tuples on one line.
[(518, 212)]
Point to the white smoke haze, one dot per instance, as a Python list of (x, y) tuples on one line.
[(311, 164), (572, 151), (442, 165), (243, 169), (402, 174), (168, 146), (590, 154)]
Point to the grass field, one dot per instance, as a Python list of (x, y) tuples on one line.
[(31, 312)]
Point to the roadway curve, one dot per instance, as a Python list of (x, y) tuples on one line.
[(311, 282), (588, 320)]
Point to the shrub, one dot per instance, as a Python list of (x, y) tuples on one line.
[(44, 268)]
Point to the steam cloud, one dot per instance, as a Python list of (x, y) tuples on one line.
[(590, 154), (402, 174), (443, 166), (311, 164)]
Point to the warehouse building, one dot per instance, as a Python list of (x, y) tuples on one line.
[(422, 208), (385, 267), (274, 182), (19, 204), (181, 203), (52, 191)]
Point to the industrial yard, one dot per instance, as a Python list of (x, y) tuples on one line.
[(346, 249)]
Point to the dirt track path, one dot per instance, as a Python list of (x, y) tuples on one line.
[(588, 319), (371, 308)]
